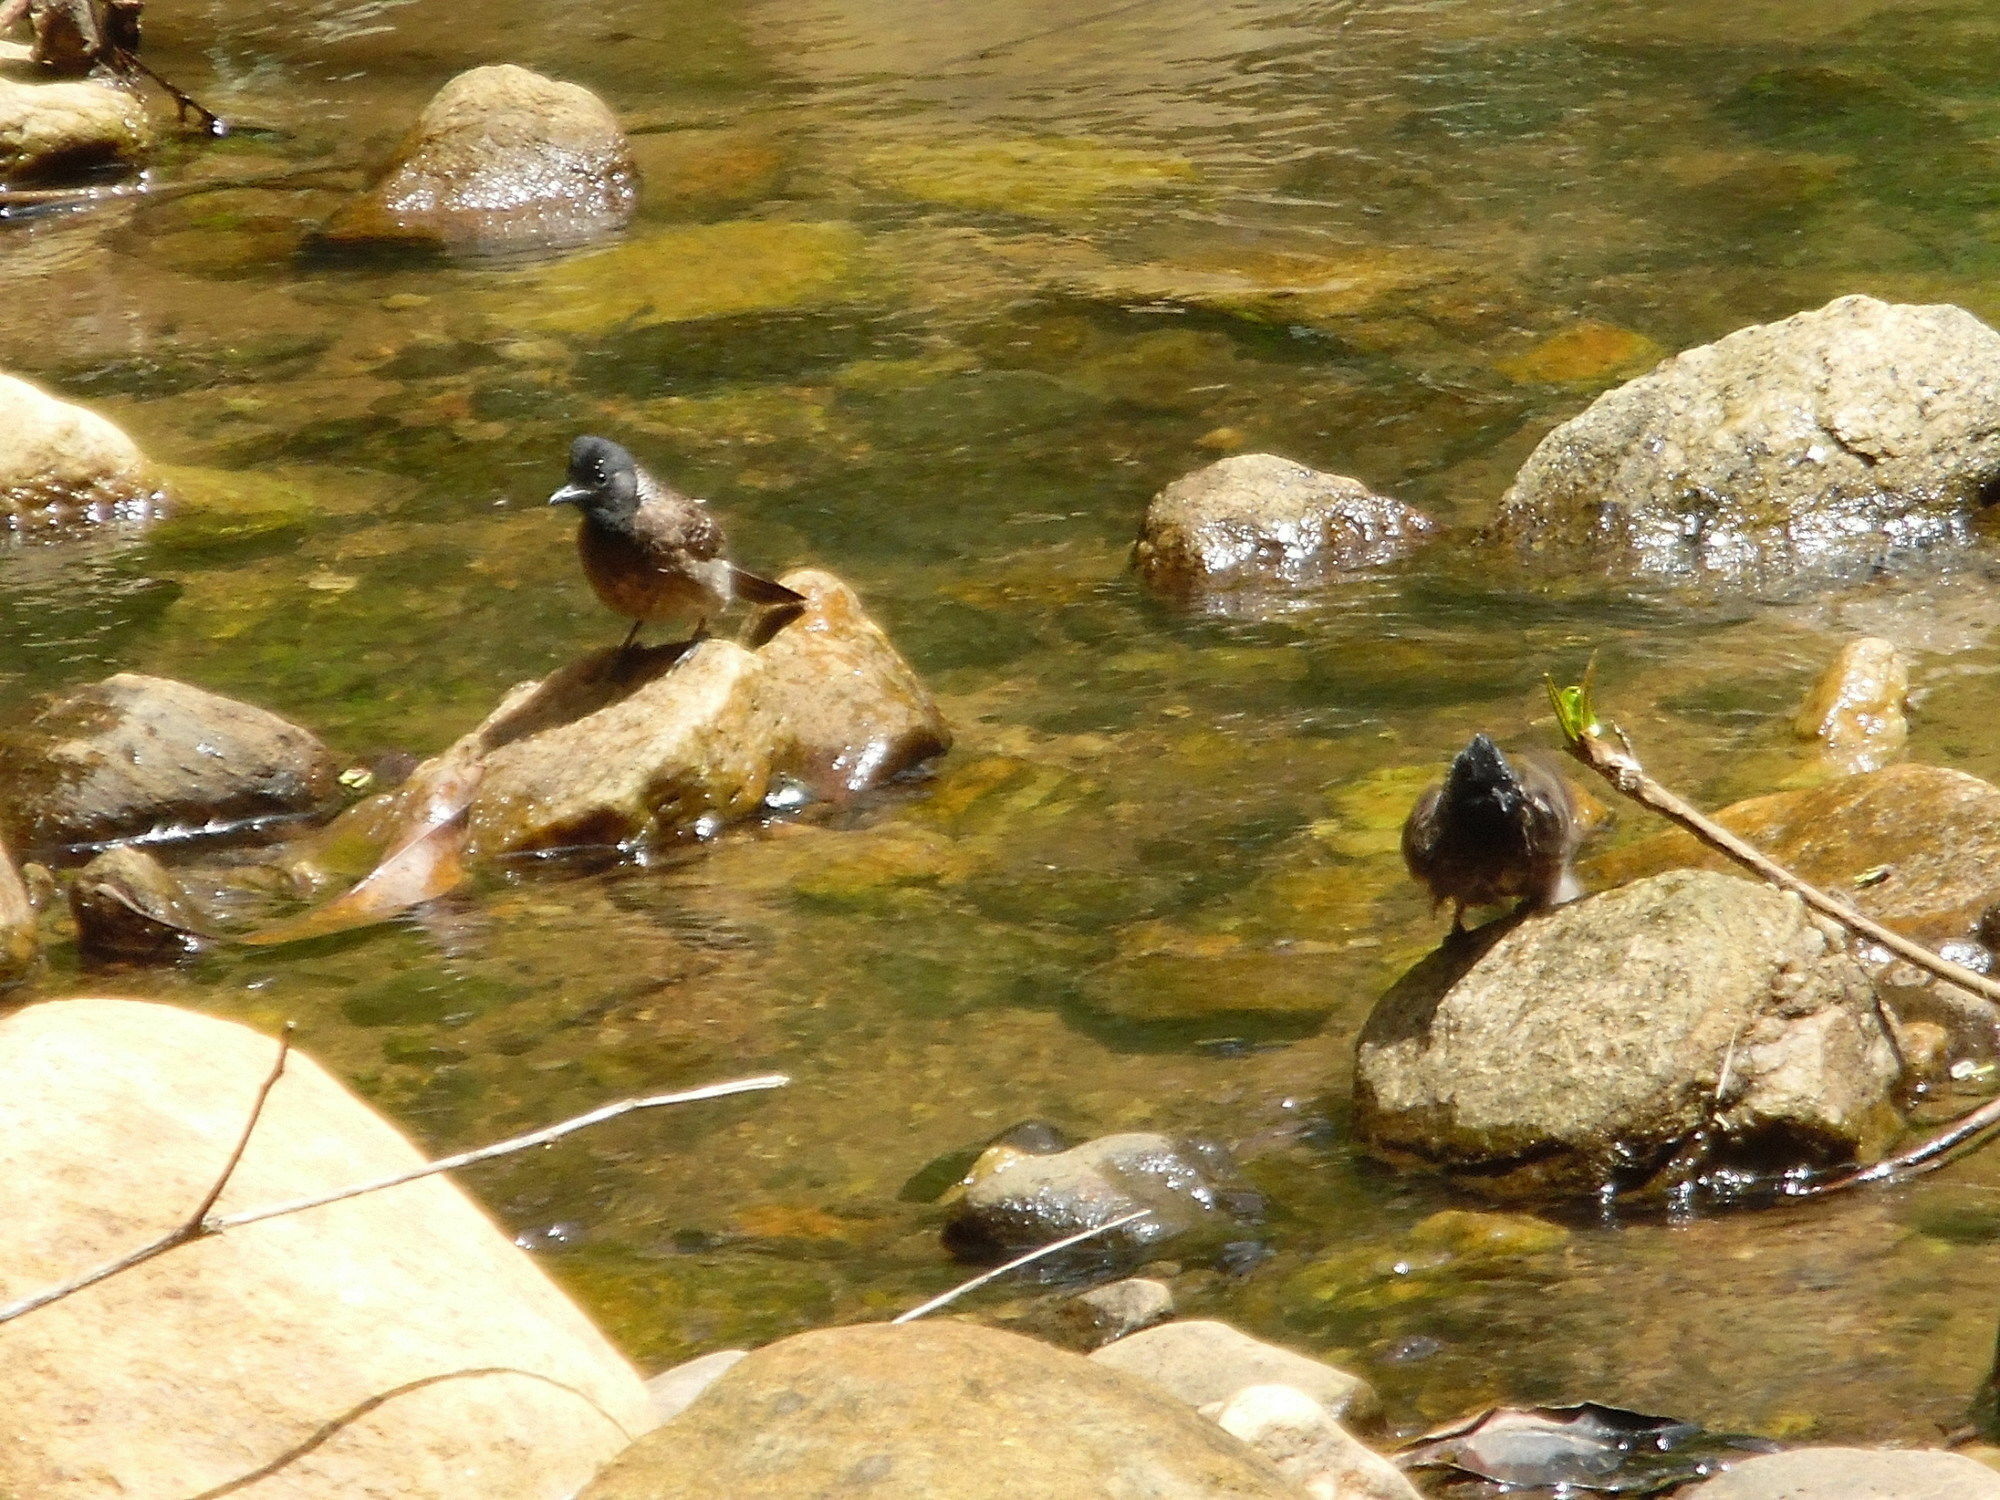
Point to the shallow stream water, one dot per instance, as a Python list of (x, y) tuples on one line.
[(903, 319)]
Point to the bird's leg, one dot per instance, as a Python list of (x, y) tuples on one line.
[(700, 631), (1458, 919), (630, 636)]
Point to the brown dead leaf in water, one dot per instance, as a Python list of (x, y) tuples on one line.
[(419, 867)]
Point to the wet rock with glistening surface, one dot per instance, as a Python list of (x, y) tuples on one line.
[(501, 159), (136, 755), (1255, 523), (1820, 443)]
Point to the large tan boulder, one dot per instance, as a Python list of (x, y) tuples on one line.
[(135, 755), (60, 462), (929, 1410), (49, 131), (228, 1358), (500, 159)]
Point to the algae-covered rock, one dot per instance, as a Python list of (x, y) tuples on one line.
[(60, 462), (52, 131), (1254, 523), (687, 171), (1014, 1199), (500, 159), (136, 755), (1051, 179), (1855, 709), (1163, 975), (1825, 441), (926, 1410), (700, 271), (1585, 1048), (1582, 354)]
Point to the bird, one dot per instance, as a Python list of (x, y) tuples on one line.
[(1493, 830), (651, 552)]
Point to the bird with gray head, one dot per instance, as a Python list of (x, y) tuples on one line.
[(1494, 830), (651, 552)]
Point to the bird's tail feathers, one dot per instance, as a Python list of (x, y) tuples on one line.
[(754, 590)]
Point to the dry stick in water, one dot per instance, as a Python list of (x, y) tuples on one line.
[(1620, 767), (945, 1298), (203, 1225)]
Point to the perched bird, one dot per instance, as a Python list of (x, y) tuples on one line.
[(651, 552), (1493, 830)]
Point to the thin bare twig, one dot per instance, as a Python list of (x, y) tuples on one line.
[(945, 1298), (195, 1226), (504, 1148), (167, 192), (203, 1224)]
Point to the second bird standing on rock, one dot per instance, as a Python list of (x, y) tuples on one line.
[(1494, 831), (650, 552)]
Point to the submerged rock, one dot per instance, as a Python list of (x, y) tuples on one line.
[(20, 937), (501, 159), (924, 1410), (1308, 1446), (60, 462), (126, 904), (135, 755), (53, 131), (1855, 710), (1255, 522), (202, 1366), (1852, 1474), (1203, 1362), (1014, 1199), (1112, 1311), (655, 745), (1586, 1048), (1824, 441)]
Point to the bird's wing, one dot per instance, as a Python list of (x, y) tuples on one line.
[(702, 536)]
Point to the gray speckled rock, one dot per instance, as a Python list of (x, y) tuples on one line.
[(1588, 1045), (1816, 443), (1852, 1474), (500, 159), (1255, 522)]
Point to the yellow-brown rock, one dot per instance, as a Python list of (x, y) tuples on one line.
[(456, 1366), (1855, 710)]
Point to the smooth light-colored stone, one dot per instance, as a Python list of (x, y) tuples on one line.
[(1594, 1041), (1202, 1362), (1123, 1307), (50, 131), (928, 1410), (60, 462), (135, 755), (1822, 442), (673, 1391), (500, 159), (213, 1361), (1852, 1474), (1308, 1446)]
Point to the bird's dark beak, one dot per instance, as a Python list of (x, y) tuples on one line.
[(569, 494)]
